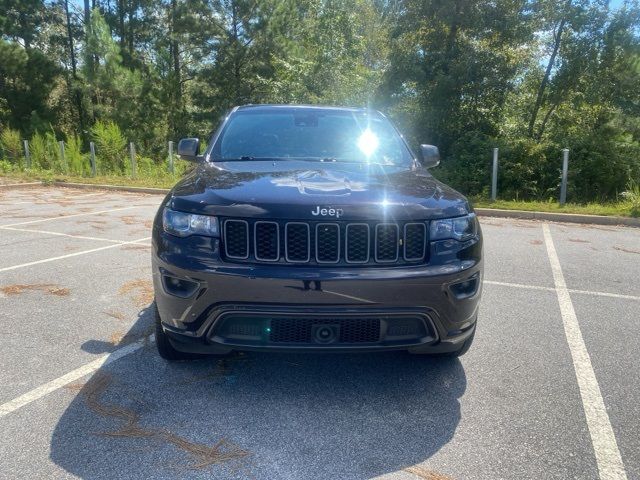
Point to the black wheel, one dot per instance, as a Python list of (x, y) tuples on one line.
[(165, 349)]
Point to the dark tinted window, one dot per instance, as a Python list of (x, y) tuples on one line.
[(310, 134)]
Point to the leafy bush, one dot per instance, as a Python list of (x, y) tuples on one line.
[(45, 151), (632, 195), (467, 167), (529, 170), (180, 167), (601, 164), (110, 147), (6, 166), (78, 163), (11, 146), (145, 167)]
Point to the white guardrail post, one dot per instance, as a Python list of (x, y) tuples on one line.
[(171, 157), (494, 176), (92, 147), (565, 169), (132, 151), (27, 155)]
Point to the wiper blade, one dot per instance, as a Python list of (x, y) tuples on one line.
[(340, 160), (326, 159), (246, 158)]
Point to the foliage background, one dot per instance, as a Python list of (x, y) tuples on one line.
[(528, 76)]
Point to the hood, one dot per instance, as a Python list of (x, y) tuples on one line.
[(314, 190)]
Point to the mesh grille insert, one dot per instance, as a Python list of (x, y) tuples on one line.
[(357, 250), (298, 330), (415, 235), (327, 243), (267, 241), (236, 238), (386, 242), (297, 242)]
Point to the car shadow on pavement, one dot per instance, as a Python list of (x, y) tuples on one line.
[(257, 415)]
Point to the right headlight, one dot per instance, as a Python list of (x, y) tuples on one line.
[(183, 224), (459, 228)]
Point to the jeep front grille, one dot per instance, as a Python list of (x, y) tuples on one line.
[(324, 243)]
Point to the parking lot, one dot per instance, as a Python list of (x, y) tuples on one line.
[(549, 389)]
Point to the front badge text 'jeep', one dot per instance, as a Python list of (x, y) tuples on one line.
[(327, 212)]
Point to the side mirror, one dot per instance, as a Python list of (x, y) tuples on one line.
[(430, 156), (189, 149)]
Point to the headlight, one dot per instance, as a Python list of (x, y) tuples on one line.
[(459, 228), (184, 224)]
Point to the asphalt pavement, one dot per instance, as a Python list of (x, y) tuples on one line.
[(549, 389)]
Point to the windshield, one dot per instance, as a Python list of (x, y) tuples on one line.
[(310, 134)]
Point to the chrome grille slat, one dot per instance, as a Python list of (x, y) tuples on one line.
[(325, 243)]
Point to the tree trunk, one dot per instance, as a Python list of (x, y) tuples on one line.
[(546, 119), (87, 32), (545, 79), (236, 53), (175, 51), (176, 78), (121, 33), (75, 93), (130, 30), (87, 15), (72, 53)]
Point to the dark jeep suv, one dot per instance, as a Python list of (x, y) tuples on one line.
[(313, 228)]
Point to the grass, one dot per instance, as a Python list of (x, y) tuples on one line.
[(621, 209), (166, 181)]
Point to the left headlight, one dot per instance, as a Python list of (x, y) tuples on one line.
[(459, 228), (184, 224)]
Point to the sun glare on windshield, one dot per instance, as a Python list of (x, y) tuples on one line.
[(368, 142)]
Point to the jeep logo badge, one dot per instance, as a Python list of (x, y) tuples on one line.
[(327, 212)]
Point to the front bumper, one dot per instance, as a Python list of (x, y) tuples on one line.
[(257, 295)]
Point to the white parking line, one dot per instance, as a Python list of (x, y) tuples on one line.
[(519, 285), (53, 385), (608, 457), (571, 290), (75, 254), (47, 232), (48, 219), (605, 294)]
